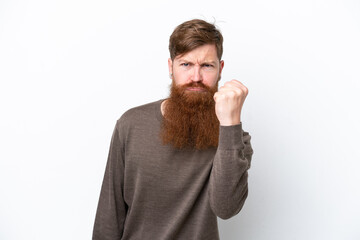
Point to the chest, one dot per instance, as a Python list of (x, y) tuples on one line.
[(154, 171)]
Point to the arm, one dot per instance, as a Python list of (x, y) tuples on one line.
[(228, 179), (111, 210)]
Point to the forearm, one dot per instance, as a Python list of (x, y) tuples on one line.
[(228, 180)]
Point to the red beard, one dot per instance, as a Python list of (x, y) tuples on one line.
[(189, 117)]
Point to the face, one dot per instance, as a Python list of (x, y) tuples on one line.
[(199, 65)]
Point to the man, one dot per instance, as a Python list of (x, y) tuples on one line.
[(174, 165)]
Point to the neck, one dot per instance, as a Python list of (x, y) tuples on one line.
[(162, 107)]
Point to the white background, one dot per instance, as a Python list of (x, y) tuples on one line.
[(69, 69)]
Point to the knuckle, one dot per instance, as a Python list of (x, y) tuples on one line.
[(238, 91), (232, 93)]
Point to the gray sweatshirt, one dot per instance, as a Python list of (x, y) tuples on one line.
[(154, 191)]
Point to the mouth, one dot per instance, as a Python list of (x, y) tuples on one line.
[(195, 89)]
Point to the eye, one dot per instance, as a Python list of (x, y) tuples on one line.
[(207, 65), (185, 64)]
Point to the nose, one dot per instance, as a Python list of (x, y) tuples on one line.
[(197, 77)]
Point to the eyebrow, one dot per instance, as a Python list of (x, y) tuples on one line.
[(205, 62)]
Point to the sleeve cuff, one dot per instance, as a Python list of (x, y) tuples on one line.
[(231, 137)]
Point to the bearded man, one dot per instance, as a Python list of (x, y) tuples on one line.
[(177, 164)]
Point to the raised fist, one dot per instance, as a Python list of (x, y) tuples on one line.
[(229, 100)]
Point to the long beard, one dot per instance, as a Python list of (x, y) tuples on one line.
[(189, 118)]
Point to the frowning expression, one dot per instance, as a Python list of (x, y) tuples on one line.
[(200, 65)]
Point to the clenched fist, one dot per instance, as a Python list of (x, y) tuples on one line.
[(229, 100)]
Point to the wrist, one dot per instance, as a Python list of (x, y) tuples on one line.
[(230, 123)]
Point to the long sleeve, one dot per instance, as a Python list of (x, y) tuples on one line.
[(111, 210), (228, 179)]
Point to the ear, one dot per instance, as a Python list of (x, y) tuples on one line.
[(221, 67), (170, 63)]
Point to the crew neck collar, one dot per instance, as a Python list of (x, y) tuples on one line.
[(158, 113)]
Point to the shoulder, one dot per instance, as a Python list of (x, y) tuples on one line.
[(139, 113)]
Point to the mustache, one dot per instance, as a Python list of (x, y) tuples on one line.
[(195, 85)]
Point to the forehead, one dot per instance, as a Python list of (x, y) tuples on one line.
[(205, 52)]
